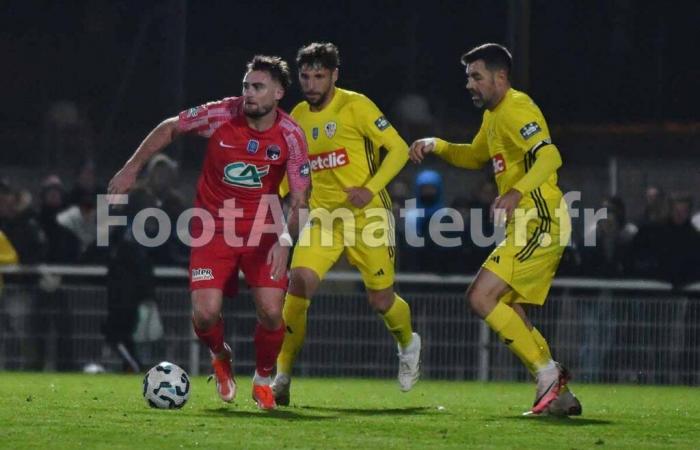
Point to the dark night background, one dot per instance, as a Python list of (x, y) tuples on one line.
[(126, 65)]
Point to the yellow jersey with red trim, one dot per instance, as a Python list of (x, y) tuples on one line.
[(344, 140)]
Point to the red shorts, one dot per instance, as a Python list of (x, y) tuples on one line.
[(216, 264)]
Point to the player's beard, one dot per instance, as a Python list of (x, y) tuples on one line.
[(261, 111), (318, 101)]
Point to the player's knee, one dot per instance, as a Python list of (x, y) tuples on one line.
[(302, 282), (478, 300), (206, 308), (270, 318), (381, 301), (470, 298), (204, 318)]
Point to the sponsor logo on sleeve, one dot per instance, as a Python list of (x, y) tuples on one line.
[(252, 146), (192, 112), (272, 152), (499, 163), (329, 160), (304, 170), (382, 123), (201, 274), (530, 130), (330, 128)]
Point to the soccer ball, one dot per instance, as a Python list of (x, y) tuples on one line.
[(166, 386)]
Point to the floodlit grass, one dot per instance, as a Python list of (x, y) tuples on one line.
[(107, 411)]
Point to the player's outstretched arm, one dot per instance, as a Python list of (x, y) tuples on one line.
[(467, 156), (160, 137), (420, 148)]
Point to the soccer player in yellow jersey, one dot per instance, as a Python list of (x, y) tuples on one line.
[(345, 131), (515, 138)]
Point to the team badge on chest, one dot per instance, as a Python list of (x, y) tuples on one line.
[(330, 128), (272, 152), (314, 133), (253, 146)]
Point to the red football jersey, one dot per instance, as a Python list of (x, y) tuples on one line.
[(242, 163)]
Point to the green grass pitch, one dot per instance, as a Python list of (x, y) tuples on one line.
[(107, 411)]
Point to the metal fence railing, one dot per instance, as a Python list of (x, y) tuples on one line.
[(604, 330)]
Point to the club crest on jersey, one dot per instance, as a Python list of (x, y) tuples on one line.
[(253, 146), (530, 130), (245, 175), (314, 133), (330, 128), (272, 152)]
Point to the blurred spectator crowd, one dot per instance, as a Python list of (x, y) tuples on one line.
[(662, 244), (59, 227)]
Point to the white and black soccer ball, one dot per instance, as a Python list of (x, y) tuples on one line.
[(166, 386)]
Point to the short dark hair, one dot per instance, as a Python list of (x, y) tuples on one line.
[(275, 66), (323, 53), (495, 57)]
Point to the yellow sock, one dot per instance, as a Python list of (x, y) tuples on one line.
[(542, 344), (398, 321), (294, 314), (513, 331)]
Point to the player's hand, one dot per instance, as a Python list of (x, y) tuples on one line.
[(420, 148), (359, 197), (503, 207), (277, 260), (122, 181)]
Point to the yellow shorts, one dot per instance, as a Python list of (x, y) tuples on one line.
[(528, 257), (368, 243)]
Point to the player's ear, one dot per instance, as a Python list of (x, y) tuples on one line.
[(502, 75), (279, 92), (334, 75)]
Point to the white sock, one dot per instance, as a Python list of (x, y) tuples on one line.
[(282, 377), (410, 347), (551, 365), (257, 379)]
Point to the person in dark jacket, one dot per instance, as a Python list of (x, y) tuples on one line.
[(429, 199)]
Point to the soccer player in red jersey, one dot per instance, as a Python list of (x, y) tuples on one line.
[(252, 144)]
